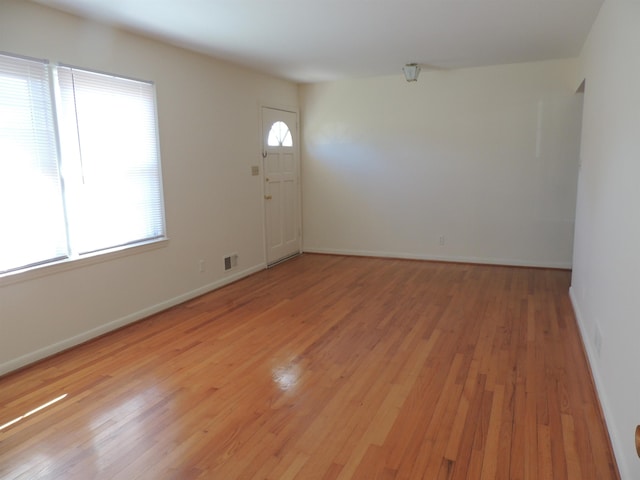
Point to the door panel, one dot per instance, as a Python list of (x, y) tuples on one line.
[(281, 198)]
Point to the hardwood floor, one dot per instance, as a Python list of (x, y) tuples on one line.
[(324, 368)]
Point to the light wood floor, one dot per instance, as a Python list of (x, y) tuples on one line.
[(324, 368)]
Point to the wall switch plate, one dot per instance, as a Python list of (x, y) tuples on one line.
[(255, 170)]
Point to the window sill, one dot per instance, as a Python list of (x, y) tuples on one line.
[(79, 262)]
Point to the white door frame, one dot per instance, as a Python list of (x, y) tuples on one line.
[(296, 147)]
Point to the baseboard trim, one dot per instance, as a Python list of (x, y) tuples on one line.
[(442, 258), (58, 347), (614, 438)]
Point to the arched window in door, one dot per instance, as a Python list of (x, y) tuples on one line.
[(279, 135)]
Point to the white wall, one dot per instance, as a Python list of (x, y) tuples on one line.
[(605, 288), (486, 157), (209, 123)]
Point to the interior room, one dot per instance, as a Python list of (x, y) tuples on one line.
[(516, 148)]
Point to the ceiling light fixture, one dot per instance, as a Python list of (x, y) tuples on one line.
[(411, 72)]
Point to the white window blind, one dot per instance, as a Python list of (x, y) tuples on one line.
[(111, 160), (32, 224), (80, 174)]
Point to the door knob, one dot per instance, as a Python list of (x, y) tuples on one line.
[(268, 197)]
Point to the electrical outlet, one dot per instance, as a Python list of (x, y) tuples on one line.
[(255, 170), (201, 266), (597, 340), (441, 240)]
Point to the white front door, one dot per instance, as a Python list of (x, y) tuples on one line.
[(281, 195)]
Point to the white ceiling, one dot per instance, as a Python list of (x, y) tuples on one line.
[(318, 40)]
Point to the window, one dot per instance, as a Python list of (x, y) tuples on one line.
[(108, 128), (31, 206), (279, 135), (103, 191)]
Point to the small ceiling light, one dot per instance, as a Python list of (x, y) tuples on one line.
[(411, 72)]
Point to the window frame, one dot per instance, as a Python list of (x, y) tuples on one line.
[(288, 136), (73, 258)]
